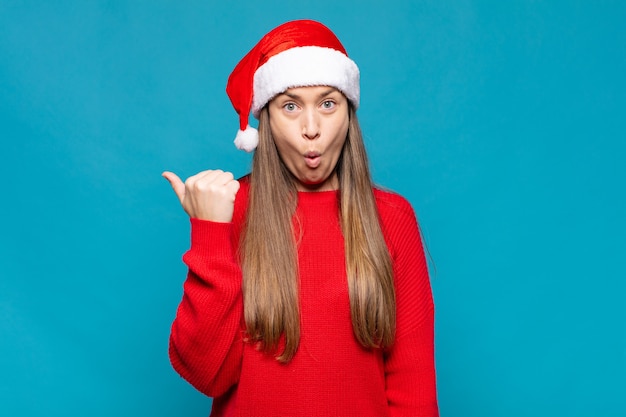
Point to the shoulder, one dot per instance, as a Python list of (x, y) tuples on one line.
[(397, 221), (392, 205), (244, 181)]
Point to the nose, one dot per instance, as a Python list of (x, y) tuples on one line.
[(310, 125)]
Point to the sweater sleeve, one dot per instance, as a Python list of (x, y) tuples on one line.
[(410, 361), (206, 341)]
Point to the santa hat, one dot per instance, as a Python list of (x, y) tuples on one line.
[(295, 54)]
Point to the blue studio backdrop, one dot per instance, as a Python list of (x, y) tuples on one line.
[(502, 122)]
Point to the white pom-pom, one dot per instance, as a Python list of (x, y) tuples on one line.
[(248, 139)]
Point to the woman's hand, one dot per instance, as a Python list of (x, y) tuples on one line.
[(208, 195)]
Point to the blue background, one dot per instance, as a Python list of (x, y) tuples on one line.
[(502, 122)]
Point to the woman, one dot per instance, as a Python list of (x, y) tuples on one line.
[(307, 292)]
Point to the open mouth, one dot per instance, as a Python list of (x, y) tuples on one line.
[(312, 159)]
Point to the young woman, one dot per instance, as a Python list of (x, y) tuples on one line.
[(307, 292)]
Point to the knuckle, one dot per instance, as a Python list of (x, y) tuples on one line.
[(203, 186)]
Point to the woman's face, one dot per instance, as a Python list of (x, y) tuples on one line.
[(309, 126)]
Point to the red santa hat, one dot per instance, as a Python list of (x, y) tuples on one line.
[(295, 54)]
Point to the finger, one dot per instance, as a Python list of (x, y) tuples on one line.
[(212, 176), (177, 185), (209, 178), (201, 179), (233, 186), (209, 173), (224, 178)]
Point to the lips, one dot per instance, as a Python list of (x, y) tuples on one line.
[(312, 159)]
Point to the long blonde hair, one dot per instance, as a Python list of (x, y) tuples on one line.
[(269, 256)]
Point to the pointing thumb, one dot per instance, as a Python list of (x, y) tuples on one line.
[(177, 185)]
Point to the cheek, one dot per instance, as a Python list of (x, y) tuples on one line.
[(284, 146), (282, 131), (341, 134)]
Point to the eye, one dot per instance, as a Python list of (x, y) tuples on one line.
[(289, 107), (328, 104)]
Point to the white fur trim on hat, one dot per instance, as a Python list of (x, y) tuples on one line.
[(305, 66), (247, 139)]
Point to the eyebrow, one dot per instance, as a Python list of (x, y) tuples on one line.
[(321, 95)]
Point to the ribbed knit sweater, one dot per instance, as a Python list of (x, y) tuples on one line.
[(331, 374)]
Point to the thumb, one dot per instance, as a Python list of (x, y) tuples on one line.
[(177, 185)]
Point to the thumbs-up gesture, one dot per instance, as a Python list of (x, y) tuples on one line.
[(208, 195)]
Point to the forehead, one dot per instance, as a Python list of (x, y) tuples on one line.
[(318, 91)]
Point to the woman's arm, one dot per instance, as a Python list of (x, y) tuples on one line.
[(206, 340), (410, 361), (410, 375)]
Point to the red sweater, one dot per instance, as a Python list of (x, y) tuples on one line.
[(331, 374)]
